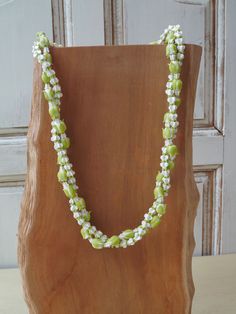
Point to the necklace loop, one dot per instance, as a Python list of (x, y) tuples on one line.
[(172, 37)]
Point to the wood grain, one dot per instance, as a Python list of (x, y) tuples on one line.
[(113, 105)]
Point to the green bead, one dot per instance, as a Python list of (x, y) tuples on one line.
[(113, 241), (48, 57), (127, 234), (48, 94), (172, 150), (43, 41), (85, 234), (169, 37), (61, 175), (167, 133), (65, 142), (97, 243), (69, 190), (45, 78), (158, 191), (161, 209), (167, 117), (54, 112), (60, 126), (39, 34), (59, 160), (174, 67), (177, 85), (159, 176), (177, 102), (171, 164), (155, 221), (170, 49), (87, 216), (80, 203)]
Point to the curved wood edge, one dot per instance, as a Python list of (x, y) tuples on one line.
[(27, 217)]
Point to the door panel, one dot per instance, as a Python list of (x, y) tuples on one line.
[(19, 22)]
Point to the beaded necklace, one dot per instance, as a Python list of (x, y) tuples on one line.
[(173, 39)]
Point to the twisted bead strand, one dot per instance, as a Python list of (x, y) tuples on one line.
[(173, 39)]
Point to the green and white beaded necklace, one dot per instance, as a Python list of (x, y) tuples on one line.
[(173, 39)]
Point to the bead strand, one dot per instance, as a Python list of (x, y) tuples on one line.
[(173, 39)]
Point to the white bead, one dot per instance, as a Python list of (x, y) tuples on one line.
[(55, 138), (54, 80), (147, 217), (80, 221), (169, 92), (58, 145), (180, 56), (40, 58), (86, 225), (75, 186), (166, 180), (130, 241), (179, 41), (137, 237), (164, 150), (45, 65), (107, 244), (58, 95), (93, 230), (68, 166), (140, 231), (45, 50), (70, 173), (65, 159), (98, 234), (166, 173), (166, 187), (151, 210), (50, 72), (168, 142), (159, 200), (76, 215), (176, 76), (71, 180), (104, 238), (123, 244), (56, 88), (181, 48), (73, 208), (172, 108), (171, 100)]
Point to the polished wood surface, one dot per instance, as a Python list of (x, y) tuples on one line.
[(113, 105), (214, 280)]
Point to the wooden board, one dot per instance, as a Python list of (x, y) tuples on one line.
[(113, 105)]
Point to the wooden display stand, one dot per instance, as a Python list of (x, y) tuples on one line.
[(113, 104)]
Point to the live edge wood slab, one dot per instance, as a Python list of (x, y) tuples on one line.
[(113, 104)]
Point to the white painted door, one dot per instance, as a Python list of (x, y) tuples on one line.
[(96, 22)]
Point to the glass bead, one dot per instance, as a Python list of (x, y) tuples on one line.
[(61, 175), (161, 209), (97, 243), (127, 234), (113, 241), (155, 221)]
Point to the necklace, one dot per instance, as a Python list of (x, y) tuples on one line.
[(172, 37)]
